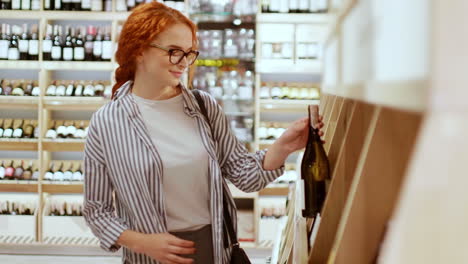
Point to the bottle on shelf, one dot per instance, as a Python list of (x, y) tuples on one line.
[(47, 44), (13, 49), (70, 129), (89, 43), (98, 89), (9, 170), (58, 173), (36, 128), (77, 174), (25, 4), (51, 90), (79, 89), (1, 127), (33, 45), (36, 90), (314, 169), (49, 175), (67, 173), (48, 4), (97, 45), (28, 129), (61, 89), (4, 41), (86, 5), (18, 90), (96, 5), (107, 47), (23, 43), (15, 4), (67, 5), (28, 88), (80, 133), (76, 5), (79, 49), (5, 4), (27, 173), (7, 88), (19, 170), (89, 89), (70, 89), (18, 128), (61, 129), (36, 173), (8, 128), (68, 45), (56, 51), (51, 132), (58, 5)]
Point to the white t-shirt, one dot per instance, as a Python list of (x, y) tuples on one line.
[(185, 162)]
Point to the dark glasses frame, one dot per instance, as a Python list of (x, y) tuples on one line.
[(171, 52)]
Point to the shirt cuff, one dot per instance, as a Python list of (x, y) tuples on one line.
[(268, 175)]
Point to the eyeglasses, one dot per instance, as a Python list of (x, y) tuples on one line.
[(177, 55)]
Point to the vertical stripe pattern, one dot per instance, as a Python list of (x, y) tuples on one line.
[(123, 172)]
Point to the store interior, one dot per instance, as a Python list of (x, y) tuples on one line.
[(388, 77)]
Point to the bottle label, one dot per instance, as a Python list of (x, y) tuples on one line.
[(60, 91), (97, 50), (107, 50), (71, 130), (8, 132), (47, 45), (62, 130), (33, 47), (56, 52), (79, 53), (16, 4), (26, 5), (4, 49), (13, 54), (18, 91), (51, 134), (23, 45), (68, 54), (86, 4), (69, 91), (58, 4), (36, 5)]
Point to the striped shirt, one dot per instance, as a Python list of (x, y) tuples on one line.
[(123, 172)]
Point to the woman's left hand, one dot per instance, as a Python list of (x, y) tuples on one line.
[(295, 137)]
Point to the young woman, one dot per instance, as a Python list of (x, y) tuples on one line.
[(154, 169)]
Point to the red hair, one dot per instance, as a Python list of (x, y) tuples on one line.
[(142, 26)]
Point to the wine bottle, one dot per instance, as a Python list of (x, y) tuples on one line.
[(89, 43), (36, 91), (28, 129), (79, 89), (80, 133), (68, 45), (56, 51), (58, 174), (314, 168), (79, 50), (70, 89), (49, 175), (51, 90), (77, 174), (61, 89), (33, 51), (97, 45), (107, 49), (35, 169), (4, 41), (47, 44), (27, 173), (67, 174), (18, 90), (9, 171), (18, 128), (13, 50), (61, 129), (8, 128), (19, 171), (51, 133), (29, 88), (71, 129), (1, 127), (23, 43)]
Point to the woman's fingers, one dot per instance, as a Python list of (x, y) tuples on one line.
[(175, 241), (181, 250), (179, 260)]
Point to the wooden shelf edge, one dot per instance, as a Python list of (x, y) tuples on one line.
[(62, 188), (26, 145), (19, 187), (63, 145)]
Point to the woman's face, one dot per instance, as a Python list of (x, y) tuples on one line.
[(154, 62)]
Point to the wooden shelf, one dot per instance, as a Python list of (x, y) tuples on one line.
[(411, 95), (18, 144), (293, 18), (74, 103), (58, 145), (78, 65), (219, 18), (286, 105), (62, 187), (19, 102), (18, 186), (19, 64), (275, 189), (63, 15)]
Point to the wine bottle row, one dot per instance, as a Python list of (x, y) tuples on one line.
[(294, 6), (65, 208), (69, 129), (289, 91), (228, 43), (77, 43), (78, 5), (225, 85), (80, 88), (19, 88), (64, 171), (19, 128), (271, 130), (19, 170), (285, 50), (19, 43), (8, 207)]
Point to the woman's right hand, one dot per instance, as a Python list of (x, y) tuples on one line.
[(166, 248), (163, 247)]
